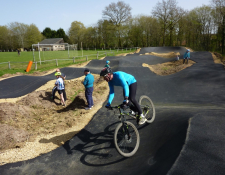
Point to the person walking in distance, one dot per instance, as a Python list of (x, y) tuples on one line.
[(88, 84), (186, 55)]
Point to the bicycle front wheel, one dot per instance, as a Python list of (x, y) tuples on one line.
[(148, 108), (126, 139)]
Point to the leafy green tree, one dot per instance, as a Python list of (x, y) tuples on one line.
[(47, 32), (107, 33), (4, 38), (219, 18), (135, 32), (90, 37), (33, 36), (54, 34), (76, 33), (144, 31), (60, 33)]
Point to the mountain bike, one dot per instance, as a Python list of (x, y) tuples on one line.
[(126, 135)]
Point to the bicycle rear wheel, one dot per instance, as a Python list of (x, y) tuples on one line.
[(148, 108), (126, 139)]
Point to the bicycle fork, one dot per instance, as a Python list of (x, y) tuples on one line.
[(126, 131)]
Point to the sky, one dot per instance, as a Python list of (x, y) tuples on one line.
[(57, 14)]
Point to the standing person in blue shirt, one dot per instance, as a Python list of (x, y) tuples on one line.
[(60, 87), (129, 85), (88, 84), (186, 55)]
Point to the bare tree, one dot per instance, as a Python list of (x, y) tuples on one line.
[(117, 13), (168, 13), (19, 31)]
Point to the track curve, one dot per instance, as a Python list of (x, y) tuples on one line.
[(194, 94)]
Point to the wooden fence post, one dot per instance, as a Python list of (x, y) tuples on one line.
[(86, 57), (9, 65), (73, 59), (35, 65)]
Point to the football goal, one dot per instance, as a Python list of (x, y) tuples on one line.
[(44, 52)]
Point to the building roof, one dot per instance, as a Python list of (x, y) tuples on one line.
[(52, 41)]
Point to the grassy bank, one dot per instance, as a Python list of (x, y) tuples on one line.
[(11, 62)]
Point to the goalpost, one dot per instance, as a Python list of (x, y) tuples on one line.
[(53, 51), (72, 50)]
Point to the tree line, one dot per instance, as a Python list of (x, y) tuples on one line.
[(202, 28)]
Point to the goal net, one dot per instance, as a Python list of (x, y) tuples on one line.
[(44, 52)]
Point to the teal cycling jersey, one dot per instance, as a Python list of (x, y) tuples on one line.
[(120, 79), (187, 55), (88, 81)]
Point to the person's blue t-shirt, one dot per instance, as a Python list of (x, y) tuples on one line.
[(120, 79), (187, 55), (88, 81)]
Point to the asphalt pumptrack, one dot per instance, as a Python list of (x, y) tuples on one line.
[(187, 136)]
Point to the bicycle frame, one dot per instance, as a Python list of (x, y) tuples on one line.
[(122, 113)]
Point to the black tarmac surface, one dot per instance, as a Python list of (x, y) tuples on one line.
[(187, 136)]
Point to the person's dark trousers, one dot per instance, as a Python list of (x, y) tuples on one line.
[(54, 91), (132, 98), (88, 95), (64, 95)]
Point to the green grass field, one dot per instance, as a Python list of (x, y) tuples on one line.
[(19, 63)]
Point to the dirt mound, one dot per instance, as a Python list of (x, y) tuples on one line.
[(37, 115), (12, 135), (37, 99), (163, 55), (169, 67)]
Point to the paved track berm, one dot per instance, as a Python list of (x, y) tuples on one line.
[(187, 136)]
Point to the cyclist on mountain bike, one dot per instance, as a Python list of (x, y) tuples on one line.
[(129, 85)]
